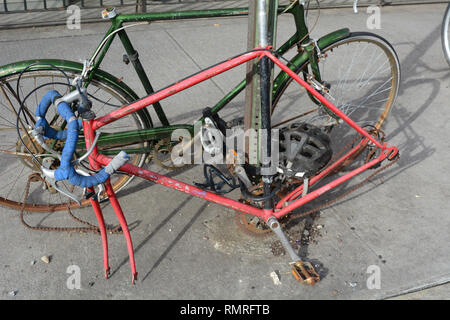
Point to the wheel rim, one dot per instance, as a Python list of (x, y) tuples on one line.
[(364, 87), (15, 173), (446, 34)]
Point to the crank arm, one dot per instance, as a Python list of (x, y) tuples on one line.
[(303, 271)]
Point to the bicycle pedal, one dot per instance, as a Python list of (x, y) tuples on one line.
[(304, 273)]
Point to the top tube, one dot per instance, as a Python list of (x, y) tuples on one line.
[(181, 15)]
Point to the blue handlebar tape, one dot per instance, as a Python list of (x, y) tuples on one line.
[(41, 111), (66, 171)]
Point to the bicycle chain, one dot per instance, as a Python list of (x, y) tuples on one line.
[(35, 177)]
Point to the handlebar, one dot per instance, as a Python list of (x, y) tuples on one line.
[(66, 170)]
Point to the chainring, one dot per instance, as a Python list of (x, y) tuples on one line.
[(161, 155), (251, 225)]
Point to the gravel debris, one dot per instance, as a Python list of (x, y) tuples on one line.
[(275, 278)]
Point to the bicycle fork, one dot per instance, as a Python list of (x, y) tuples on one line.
[(123, 224), (89, 137)]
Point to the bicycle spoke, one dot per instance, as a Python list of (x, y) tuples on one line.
[(15, 181), (363, 75)]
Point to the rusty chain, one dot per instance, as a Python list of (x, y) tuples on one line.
[(36, 177)]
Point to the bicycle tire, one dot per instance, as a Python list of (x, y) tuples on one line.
[(381, 47), (38, 74), (445, 34)]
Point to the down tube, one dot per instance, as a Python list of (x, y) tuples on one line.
[(184, 187)]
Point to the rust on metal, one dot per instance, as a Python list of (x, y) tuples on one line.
[(304, 272)]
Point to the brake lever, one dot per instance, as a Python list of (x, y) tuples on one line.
[(49, 176), (54, 184)]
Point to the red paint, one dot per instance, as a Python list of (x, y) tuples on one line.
[(123, 223), (322, 99), (184, 187), (298, 191), (314, 194), (89, 136), (101, 226)]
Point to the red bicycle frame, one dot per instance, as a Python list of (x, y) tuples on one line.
[(286, 205)]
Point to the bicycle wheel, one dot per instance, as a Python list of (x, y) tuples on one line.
[(15, 162), (362, 72), (445, 34)]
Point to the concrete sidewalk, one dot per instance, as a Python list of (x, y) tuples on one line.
[(189, 249)]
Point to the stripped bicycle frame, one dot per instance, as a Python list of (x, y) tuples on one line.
[(286, 205)]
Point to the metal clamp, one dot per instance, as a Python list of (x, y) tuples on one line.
[(71, 96), (109, 13)]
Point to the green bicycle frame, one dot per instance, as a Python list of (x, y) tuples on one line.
[(300, 39)]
